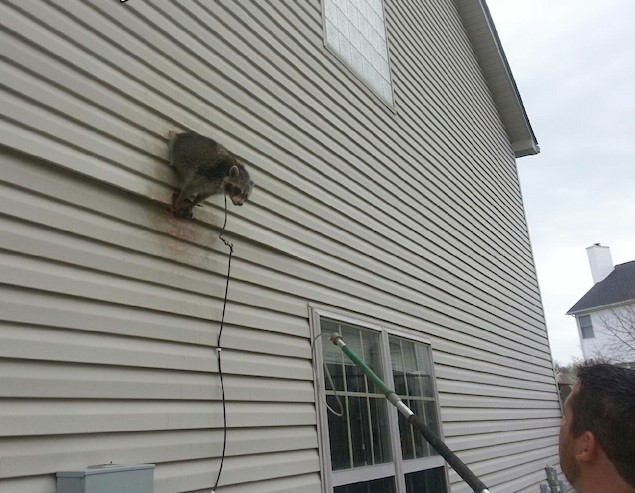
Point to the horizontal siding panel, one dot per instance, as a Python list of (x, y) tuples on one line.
[(21, 417), (28, 343), (54, 310), (496, 439), (43, 380), (469, 428), (485, 414), (24, 417), (270, 466), (488, 364), (458, 388), (469, 370), (155, 447), (307, 483), (528, 481), (512, 402), (43, 120), (25, 342), (80, 88), (34, 273), (497, 469), (539, 447), (193, 475), (31, 484), (514, 467)]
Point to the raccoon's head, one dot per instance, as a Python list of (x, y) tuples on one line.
[(238, 185)]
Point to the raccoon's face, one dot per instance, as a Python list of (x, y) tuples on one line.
[(238, 185)]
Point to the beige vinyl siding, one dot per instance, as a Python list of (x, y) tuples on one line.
[(110, 306), (107, 351)]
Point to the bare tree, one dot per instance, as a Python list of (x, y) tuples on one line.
[(619, 324), (565, 378)]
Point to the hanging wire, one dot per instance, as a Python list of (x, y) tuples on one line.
[(328, 376), (219, 349)]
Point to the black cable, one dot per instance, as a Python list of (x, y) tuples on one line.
[(219, 349)]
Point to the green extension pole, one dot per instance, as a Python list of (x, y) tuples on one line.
[(451, 458)]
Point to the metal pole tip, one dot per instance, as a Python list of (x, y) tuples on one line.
[(335, 336)]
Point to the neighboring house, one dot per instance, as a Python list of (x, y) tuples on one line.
[(382, 138), (605, 315)]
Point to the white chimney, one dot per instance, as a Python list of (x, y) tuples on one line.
[(600, 261)]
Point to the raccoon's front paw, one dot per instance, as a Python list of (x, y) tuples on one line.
[(181, 212)]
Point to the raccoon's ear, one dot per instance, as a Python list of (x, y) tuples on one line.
[(233, 172)]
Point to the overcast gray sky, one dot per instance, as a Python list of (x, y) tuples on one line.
[(574, 64)]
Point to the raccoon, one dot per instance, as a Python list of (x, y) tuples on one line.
[(205, 168)]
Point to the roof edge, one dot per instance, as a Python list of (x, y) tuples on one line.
[(489, 52), (599, 307)]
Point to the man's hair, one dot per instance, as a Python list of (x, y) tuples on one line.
[(605, 406)]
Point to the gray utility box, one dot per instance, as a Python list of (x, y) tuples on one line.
[(138, 478)]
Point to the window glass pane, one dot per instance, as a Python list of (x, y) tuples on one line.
[(361, 437), (384, 485), (430, 481), (430, 416), (366, 423), (361, 442), (412, 370), (587, 333), (406, 438), (413, 445), (338, 436), (346, 375), (585, 321), (355, 30), (336, 371), (397, 363), (586, 327), (380, 429)]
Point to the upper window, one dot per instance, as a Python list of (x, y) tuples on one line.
[(355, 30), (586, 327), (372, 448)]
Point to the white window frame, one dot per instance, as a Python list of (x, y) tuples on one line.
[(398, 467)]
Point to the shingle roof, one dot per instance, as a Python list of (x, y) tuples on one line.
[(619, 286)]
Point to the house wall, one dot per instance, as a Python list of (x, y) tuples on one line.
[(591, 346), (607, 330), (110, 306)]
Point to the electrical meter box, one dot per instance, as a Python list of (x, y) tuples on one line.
[(109, 478)]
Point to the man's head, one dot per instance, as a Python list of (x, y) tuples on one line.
[(598, 422)]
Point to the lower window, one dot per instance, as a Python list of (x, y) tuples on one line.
[(371, 448)]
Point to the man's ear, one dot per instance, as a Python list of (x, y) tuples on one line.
[(586, 447)]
